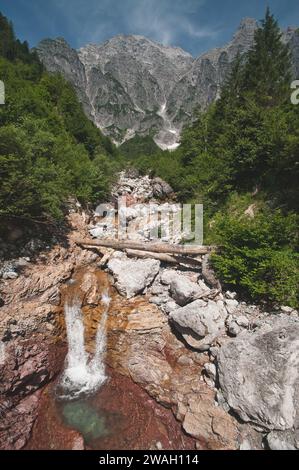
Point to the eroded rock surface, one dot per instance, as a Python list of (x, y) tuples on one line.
[(200, 323), (132, 276), (259, 374)]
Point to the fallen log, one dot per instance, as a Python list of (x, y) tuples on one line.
[(148, 246), (164, 257)]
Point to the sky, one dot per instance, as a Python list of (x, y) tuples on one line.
[(194, 25)]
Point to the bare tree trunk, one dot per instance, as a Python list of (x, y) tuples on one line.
[(164, 257), (149, 247)]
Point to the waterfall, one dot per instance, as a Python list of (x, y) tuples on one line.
[(2, 353), (83, 374)]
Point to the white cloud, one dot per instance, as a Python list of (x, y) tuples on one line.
[(165, 21)]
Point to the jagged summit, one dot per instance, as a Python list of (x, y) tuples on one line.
[(133, 85)]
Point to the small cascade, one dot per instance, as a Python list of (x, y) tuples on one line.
[(83, 374), (2, 353)]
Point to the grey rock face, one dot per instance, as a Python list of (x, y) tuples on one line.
[(131, 85), (259, 374), (200, 323), (283, 440), (132, 276)]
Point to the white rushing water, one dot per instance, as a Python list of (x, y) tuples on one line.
[(2, 353), (83, 374)]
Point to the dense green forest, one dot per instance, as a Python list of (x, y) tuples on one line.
[(49, 150), (240, 159)]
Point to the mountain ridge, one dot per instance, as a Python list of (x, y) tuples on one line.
[(131, 85)]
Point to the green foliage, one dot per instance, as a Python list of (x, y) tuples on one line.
[(259, 255), (49, 150), (137, 146), (268, 70)]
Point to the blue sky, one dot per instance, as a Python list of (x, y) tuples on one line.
[(194, 25)]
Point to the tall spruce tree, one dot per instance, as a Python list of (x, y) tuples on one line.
[(268, 69)]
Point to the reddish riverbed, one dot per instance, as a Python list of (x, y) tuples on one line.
[(119, 416)]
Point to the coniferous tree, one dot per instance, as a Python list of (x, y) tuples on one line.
[(268, 69)]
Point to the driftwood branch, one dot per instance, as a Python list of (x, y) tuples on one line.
[(149, 247), (164, 257)]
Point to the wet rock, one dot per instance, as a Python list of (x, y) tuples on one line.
[(200, 323), (132, 276), (28, 366), (258, 374), (90, 286)]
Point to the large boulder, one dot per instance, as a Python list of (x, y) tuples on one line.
[(259, 374), (132, 276), (183, 290), (161, 188), (200, 323)]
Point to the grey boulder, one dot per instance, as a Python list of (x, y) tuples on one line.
[(200, 323), (259, 374), (132, 276), (182, 289)]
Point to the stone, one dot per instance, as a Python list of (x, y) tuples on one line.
[(231, 305), (183, 290), (259, 373), (210, 370), (221, 401), (242, 321), (132, 276), (157, 300), (90, 287), (200, 323), (233, 328), (161, 188), (286, 309), (231, 295), (283, 440), (214, 351), (170, 306), (245, 445), (203, 421), (10, 275)]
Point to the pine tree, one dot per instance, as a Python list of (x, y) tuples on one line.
[(268, 69)]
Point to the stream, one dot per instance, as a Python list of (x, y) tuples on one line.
[(90, 405)]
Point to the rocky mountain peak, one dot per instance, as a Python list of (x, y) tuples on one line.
[(133, 85)]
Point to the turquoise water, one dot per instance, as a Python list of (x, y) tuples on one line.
[(84, 418)]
